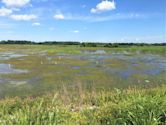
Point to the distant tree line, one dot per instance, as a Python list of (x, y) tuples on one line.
[(82, 44), (42, 43), (16, 42)]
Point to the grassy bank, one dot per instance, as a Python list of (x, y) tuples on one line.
[(119, 107)]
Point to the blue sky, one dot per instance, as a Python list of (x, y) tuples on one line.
[(83, 20)]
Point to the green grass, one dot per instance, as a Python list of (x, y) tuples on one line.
[(119, 107), (74, 49), (85, 96)]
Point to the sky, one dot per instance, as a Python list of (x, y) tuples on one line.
[(83, 20)]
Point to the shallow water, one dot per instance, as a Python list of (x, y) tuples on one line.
[(136, 64), (10, 55), (141, 64), (94, 52), (40, 72), (8, 69)]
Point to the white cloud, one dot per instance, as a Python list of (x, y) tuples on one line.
[(15, 9), (76, 31), (105, 5), (5, 11), (59, 16), (36, 24), (112, 17), (23, 17), (15, 3)]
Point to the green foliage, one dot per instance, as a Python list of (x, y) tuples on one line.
[(127, 107), (89, 45), (112, 45)]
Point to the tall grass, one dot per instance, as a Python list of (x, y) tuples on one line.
[(80, 107)]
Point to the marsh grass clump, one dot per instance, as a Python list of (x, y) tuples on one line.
[(130, 106)]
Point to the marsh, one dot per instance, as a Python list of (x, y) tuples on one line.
[(38, 69)]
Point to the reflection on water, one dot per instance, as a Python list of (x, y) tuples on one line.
[(94, 52), (42, 71), (8, 69), (10, 55), (135, 64), (142, 64), (76, 67)]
